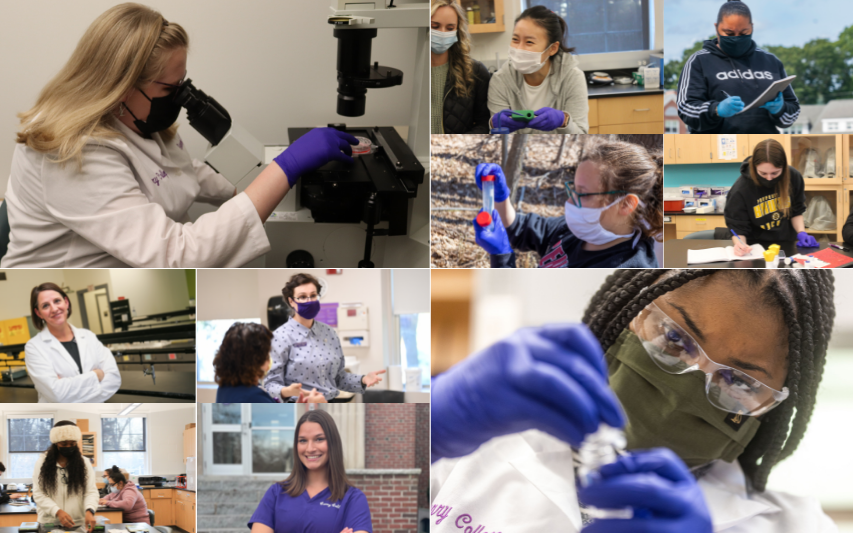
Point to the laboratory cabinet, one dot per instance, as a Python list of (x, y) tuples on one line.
[(642, 113), (189, 444), (172, 507), (484, 16)]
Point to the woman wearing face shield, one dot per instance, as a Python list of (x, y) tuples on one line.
[(542, 76), (67, 364), (460, 84), (242, 362), (101, 178), (767, 202), (613, 214), (306, 353), (707, 407), (64, 487), (729, 72)]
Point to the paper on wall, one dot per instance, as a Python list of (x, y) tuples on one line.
[(726, 147)]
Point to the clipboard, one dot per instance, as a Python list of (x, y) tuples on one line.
[(769, 93)]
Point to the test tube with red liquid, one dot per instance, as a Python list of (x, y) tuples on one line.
[(485, 218)]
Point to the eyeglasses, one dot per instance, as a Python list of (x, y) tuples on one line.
[(174, 86), (575, 197), (303, 299), (675, 352)]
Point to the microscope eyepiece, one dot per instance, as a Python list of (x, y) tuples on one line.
[(204, 113)]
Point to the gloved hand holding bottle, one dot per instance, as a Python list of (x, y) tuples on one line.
[(730, 107), (547, 119), (804, 240), (313, 150), (551, 378), (657, 484), (492, 169), (775, 105), (503, 119)]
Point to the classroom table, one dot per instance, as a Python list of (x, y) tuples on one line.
[(9, 529), (13, 515), (675, 252)]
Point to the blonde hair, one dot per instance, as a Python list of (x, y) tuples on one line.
[(459, 55), (630, 167), (127, 46)]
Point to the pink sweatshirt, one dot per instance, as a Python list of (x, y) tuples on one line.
[(130, 501)]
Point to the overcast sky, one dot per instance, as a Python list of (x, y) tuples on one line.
[(777, 22)]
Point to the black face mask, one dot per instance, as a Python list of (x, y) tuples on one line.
[(68, 451), (164, 112)]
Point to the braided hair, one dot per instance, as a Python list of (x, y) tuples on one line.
[(806, 301)]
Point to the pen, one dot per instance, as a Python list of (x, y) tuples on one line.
[(727, 94), (737, 237), (839, 247)]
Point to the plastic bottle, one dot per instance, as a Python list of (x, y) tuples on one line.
[(488, 194)]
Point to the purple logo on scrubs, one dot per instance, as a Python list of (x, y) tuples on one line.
[(161, 175), (442, 511), (466, 519), (299, 344)]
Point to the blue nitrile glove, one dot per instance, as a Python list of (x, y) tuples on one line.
[(503, 119), (492, 169), (547, 119), (492, 239), (313, 150), (551, 378), (804, 240), (730, 107), (660, 488), (775, 105)]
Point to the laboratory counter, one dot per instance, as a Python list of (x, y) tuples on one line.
[(675, 253), (120, 525), (602, 91), (174, 386), (11, 516), (143, 487)]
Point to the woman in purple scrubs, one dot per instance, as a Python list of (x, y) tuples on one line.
[(316, 497)]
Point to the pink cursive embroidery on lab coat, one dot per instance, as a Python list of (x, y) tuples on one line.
[(466, 519), (442, 511)]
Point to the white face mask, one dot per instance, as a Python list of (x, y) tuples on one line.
[(526, 62), (585, 223), (441, 41)]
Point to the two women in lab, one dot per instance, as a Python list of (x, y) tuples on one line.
[(242, 362), (729, 72), (460, 84), (64, 487), (67, 364), (542, 76), (767, 202), (307, 354), (125, 496), (708, 408), (101, 178), (316, 497), (612, 217)]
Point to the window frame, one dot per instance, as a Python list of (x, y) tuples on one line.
[(146, 453), (9, 416)]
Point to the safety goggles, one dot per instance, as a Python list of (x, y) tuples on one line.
[(674, 351), (576, 197)]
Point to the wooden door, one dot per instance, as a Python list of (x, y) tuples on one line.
[(669, 149), (690, 149)]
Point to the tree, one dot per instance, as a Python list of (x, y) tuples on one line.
[(672, 70)]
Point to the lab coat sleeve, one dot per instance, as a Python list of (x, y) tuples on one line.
[(105, 205), (42, 500), (274, 381), (695, 107), (112, 377), (215, 188), (346, 381), (84, 388), (90, 500), (575, 102)]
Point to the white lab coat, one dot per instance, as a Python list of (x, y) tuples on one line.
[(128, 207), (74, 504), (47, 361), (525, 482)]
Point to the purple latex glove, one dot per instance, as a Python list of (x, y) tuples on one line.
[(492, 239), (804, 240), (492, 169), (503, 119), (313, 150), (660, 488), (775, 105), (547, 119)]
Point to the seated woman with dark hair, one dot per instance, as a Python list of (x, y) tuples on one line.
[(243, 360), (5, 497), (125, 496)]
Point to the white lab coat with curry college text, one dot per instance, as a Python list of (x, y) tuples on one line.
[(525, 482), (73, 504), (48, 361), (128, 207)]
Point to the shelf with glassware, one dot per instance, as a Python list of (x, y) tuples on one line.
[(484, 16)]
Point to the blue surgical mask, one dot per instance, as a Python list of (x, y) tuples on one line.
[(441, 41), (113, 489), (735, 46)]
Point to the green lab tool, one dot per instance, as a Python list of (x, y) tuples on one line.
[(525, 115)]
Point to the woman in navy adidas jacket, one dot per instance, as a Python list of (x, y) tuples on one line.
[(719, 80)]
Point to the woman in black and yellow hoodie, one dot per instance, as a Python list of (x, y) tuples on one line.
[(768, 200)]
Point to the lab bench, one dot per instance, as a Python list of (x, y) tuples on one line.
[(11, 516), (625, 109), (111, 525), (675, 253)]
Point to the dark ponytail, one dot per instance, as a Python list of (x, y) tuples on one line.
[(116, 475), (734, 7), (553, 24)]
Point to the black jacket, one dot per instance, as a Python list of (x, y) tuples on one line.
[(559, 248), (709, 74), (752, 210), (467, 115), (847, 230)]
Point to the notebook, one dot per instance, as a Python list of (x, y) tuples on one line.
[(769, 93), (714, 255)]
